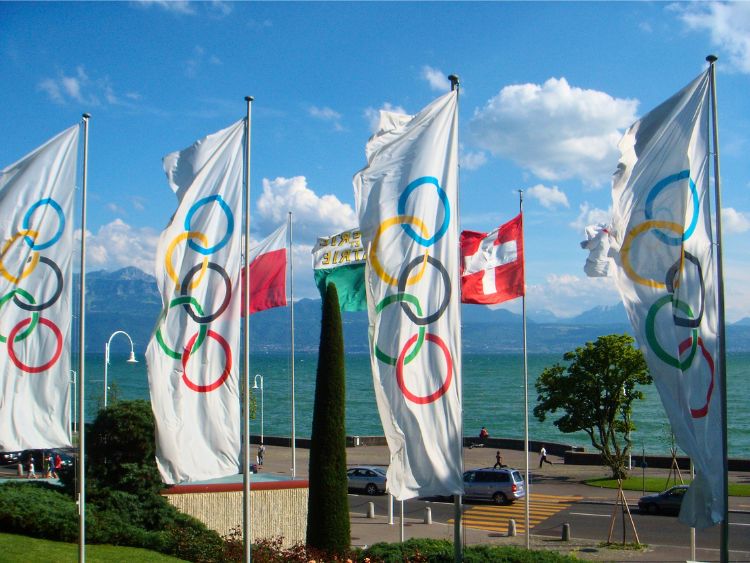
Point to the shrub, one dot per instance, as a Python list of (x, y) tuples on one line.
[(38, 510)]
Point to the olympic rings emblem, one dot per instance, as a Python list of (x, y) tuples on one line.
[(24, 299), (684, 345), (230, 223), (432, 397), (673, 277), (193, 278), (224, 374), (410, 275), (375, 262)]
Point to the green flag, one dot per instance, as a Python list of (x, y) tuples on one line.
[(340, 259)]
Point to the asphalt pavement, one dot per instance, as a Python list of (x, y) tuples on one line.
[(558, 481)]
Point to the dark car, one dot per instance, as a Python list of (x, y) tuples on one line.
[(368, 478), (665, 502), (501, 486), (7, 458)]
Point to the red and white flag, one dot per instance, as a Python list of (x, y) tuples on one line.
[(492, 264), (267, 273)]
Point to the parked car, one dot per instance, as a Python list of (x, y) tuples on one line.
[(7, 458), (501, 486), (367, 478), (665, 502)]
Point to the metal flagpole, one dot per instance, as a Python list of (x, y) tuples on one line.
[(291, 309), (81, 349), (458, 549), (246, 357), (720, 306), (527, 509)]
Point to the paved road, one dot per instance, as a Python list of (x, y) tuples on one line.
[(588, 520)]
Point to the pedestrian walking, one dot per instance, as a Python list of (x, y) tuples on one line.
[(498, 461), (261, 454)]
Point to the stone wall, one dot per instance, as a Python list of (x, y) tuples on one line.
[(277, 508)]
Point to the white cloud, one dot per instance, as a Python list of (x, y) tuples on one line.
[(327, 114), (80, 88), (220, 8), (117, 244), (196, 62), (313, 215), (373, 115), (733, 221), (173, 6), (591, 216), (436, 78), (548, 198), (554, 130), (567, 295), (471, 160), (728, 24)]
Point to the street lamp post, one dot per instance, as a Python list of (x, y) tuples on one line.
[(255, 386), (131, 359)]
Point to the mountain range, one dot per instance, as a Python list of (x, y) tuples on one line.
[(128, 299)]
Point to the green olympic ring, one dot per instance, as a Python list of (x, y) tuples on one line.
[(34, 315), (382, 356), (651, 333), (182, 300)]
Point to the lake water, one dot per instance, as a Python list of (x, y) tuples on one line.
[(492, 394)]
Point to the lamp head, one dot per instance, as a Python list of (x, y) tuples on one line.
[(131, 359)]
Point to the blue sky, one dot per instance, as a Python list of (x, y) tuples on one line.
[(547, 90)]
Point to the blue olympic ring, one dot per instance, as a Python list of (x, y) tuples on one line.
[(443, 198), (230, 224), (656, 190), (60, 227)]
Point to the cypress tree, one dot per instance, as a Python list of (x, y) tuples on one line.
[(328, 504)]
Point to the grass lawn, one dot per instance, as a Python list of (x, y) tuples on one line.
[(657, 484), (23, 548)]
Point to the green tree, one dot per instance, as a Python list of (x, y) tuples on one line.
[(595, 391), (328, 504)]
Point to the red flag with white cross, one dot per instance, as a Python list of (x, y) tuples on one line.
[(492, 264)]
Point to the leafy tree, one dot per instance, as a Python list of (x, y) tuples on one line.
[(328, 504), (595, 391)]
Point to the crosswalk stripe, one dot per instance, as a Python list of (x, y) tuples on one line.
[(495, 518)]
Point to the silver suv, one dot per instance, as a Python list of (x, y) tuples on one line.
[(501, 486)]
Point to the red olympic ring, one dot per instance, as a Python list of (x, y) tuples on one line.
[(400, 371), (224, 374), (684, 345), (55, 356)]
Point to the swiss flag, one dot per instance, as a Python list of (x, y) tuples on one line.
[(492, 264), (267, 273)]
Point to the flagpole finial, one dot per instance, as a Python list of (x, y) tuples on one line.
[(712, 59), (249, 98), (454, 81), (86, 115)]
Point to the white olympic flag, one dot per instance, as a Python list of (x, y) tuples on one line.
[(661, 235), (36, 217), (193, 356), (407, 200)]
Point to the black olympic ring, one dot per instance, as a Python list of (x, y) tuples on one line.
[(403, 277), (672, 274), (51, 301), (227, 293)]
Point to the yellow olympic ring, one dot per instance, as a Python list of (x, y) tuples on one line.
[(375, 263), (31, 264), (168, 258), (625, 251)]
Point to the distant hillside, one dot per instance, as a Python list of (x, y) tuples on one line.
[(128, 300)]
